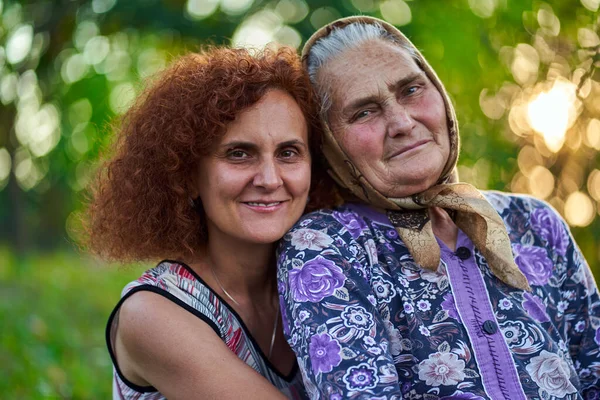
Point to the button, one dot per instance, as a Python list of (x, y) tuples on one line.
[(490, 327), (463, 253)]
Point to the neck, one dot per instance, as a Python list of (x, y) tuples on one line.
[(443, 227), (245, 270)]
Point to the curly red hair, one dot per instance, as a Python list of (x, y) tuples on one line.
[(140, 207)]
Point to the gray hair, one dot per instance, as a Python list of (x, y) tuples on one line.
[(339, 41)]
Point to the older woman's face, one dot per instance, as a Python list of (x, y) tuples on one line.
[(388, 117), (254, 185)]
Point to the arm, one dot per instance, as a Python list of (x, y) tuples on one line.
[(577, 296), (337, 332), (160, 344), (582, 318)]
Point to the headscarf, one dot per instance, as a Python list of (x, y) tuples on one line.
[(473, 214)]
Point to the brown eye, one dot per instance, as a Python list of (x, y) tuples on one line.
[(237, 155), (288, 153)]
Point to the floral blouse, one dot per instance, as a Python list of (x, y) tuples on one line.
[(365, 321)]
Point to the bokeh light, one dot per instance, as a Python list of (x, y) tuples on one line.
[(200, 9), (292, 11), (541, 182), (579, 209), (102, 6), (19, 44), (121, 97), (593, 184), (396, 12), (235, 7), (5, 166), (552, 112)]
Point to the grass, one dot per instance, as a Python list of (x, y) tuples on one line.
[(53, 311)]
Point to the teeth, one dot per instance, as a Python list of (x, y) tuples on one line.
[(264, 204)]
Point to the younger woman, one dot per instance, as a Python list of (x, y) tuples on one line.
[(212, 166)]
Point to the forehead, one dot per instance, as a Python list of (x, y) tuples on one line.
[(366, 69), (275, 117)]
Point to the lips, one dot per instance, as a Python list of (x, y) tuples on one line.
[(263, 204), (409, 147)]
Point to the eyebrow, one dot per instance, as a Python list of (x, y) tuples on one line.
[(293, 142), (253, 146), (360, 102), (392, 87), (239, 143)]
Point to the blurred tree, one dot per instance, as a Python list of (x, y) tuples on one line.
[(522, 75)]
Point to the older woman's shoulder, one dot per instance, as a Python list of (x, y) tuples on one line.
[(348, 222), (511, 202)]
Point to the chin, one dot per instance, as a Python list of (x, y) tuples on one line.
[(409, 188), (263, 236)]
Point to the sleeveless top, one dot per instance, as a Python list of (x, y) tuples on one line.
[(180, 284)]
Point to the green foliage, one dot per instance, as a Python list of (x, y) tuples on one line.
[(53, 307), (54, 310)]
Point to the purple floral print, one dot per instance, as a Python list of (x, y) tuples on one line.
[(360, 377), (315, 280), (544, 221), (450, 306), (391, 328), (324, 353), (351, 223), (533, 261), (534, 306)]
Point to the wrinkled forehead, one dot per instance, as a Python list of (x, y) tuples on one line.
[(370, 70)]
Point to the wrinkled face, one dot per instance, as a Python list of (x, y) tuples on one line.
[(254, 185), (388, 117)]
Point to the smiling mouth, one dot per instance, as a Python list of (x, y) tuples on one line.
[(272, 204), (409, 148)]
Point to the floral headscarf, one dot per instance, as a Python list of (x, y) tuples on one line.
[(473, 214)]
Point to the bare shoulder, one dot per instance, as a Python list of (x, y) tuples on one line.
[(166, 346)]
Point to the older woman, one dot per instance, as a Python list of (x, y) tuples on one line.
[(212, 167), (420, 287)]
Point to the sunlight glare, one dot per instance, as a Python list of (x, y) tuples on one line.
[(551, 113)]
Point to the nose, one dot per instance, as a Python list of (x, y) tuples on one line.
[(268, 175), (400, 121)]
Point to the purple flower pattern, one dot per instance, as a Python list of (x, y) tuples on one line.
[(533, 261), (379, 326), (360, 377), (550, 228), (317, 279), (324, 353), (450, 306), (535, 307), (354, 225)]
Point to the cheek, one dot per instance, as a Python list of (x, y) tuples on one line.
[(435, 113), (362, 143), (223, 184), (299, 179)]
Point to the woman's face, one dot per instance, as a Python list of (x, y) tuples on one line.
[(388, 117), (254, 185)]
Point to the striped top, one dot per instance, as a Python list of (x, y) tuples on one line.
[(180, 284)]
